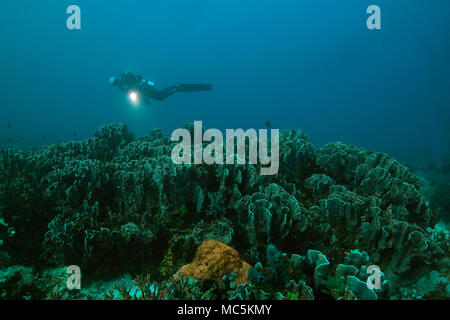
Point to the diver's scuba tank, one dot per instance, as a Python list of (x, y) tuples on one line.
[(149, 82)]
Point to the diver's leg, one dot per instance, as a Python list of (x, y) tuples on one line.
[(147, 101), (193, 87), (163, 94)]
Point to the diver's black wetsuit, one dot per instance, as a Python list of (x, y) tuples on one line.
[(150, 91), (129, 81)]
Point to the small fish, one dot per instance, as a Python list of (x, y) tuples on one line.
[(44, 137), (268, 124), (75, 134), (9, 125)]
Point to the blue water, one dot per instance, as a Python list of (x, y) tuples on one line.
[(308, 64)]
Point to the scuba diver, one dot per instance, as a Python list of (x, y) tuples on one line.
[(137, 86)]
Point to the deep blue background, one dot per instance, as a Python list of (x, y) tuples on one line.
[(309, 64)]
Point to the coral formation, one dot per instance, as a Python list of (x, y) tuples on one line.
[(214, 260), (435, 186), (117, 205)]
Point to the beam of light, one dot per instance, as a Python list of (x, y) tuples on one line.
[(134, 97)]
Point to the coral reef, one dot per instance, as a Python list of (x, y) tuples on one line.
[(435, 186), (117, 205), (16, 281)]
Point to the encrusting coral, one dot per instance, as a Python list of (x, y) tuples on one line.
[(213, 260)]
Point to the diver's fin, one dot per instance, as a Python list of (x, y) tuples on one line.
[(188, 87)]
